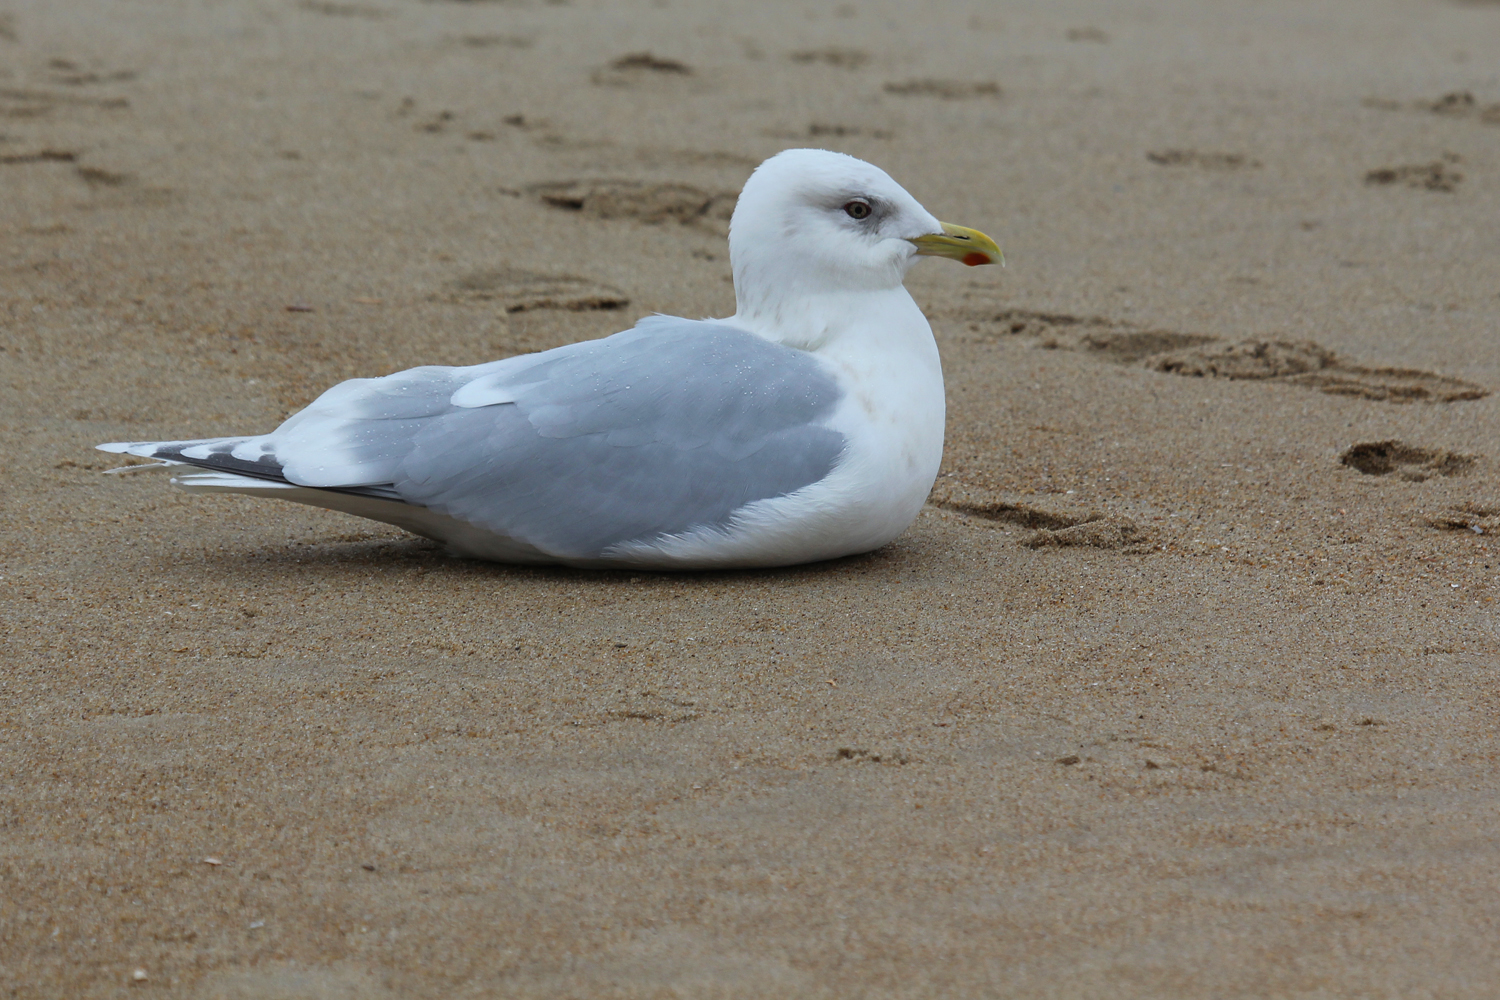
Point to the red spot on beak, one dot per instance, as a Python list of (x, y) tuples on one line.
[(976, 258)]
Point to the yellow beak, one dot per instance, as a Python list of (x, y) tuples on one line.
[(967, 245)]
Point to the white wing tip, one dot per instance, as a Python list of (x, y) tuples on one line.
[(148, 467), (227, 482), (141, 449)]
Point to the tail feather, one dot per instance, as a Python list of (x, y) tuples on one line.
[(243, 455), (249, 457)]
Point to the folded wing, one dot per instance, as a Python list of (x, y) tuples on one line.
[(668, 427)]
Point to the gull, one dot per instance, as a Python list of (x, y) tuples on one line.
[(807, 426)]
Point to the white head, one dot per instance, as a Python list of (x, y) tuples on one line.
[(810, 221)]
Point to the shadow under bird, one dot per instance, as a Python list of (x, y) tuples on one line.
[(807, 426)]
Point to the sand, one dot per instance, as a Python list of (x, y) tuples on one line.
[(1183, 685)]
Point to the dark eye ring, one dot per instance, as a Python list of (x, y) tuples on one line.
[(858, 209)]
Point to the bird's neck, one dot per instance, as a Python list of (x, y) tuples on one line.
[(831, 323)]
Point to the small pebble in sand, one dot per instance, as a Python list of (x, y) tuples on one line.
[(139, 975)]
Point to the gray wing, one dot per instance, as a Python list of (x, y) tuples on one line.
[(667, 427)]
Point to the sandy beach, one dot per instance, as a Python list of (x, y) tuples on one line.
[(1183, 684)]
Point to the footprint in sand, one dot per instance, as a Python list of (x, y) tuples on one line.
[(638, 68), (518, 291), (1029, 323), (22, 102), (328, 8), (841, 58), (96, 177), (1481, 519), (439, 122), (948, 90), (1404, 461), (1203, 161), (1439, 175), (496, 41), (864, 755), (1460, 104), (112, 188), (1301, 363), (1248, 359), (823, 130), (39, 156), (1308, 364), (71, 74), (639, 201), (1132, 346), (1053, 529)]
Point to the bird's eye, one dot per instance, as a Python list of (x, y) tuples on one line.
[(858, 209)]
